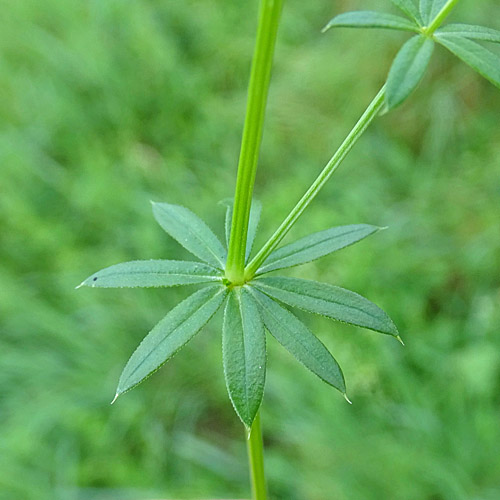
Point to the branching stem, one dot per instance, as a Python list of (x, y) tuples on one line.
[(368, 116), (269, 17)]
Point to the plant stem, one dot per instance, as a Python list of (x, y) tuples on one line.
[(269, 17), (368, 116), (256, 460), (441, 16)]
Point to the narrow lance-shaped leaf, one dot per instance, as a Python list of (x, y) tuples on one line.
[(429, 9), (316, 245), (294, 336), (244, 354), (191, 232), (409, 8), (371, 19), (477, 57), (471, 31), (228, 203), (253, 223), (408, 69), (328, 300), (179, 326), (152, 273)]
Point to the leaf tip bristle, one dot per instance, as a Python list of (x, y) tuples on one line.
[(115, 398), (80, 285), (347, 399), (326, 28), (400, 340)]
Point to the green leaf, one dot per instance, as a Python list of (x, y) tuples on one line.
[(477, 57), (429, 9), (371, 19), (409, 8), (408, 69), (294, 336), (191, 232), (228, 203), (316, 245), (471, 31), (253, 223), (328, 300), (152, 273), (177, 328), (244, 354)]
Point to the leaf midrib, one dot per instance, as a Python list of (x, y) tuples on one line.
[(323, 301), (169, 335), (305, 248)]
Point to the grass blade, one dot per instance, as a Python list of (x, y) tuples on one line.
[(152, 273), (371, 19), (408, 69), (328, 300), (244, 354), (471, 31), (177, 328), (316, 245), (191, 232), (294, 336), (477, 57)]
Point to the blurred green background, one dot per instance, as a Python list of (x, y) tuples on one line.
[(107, 104)]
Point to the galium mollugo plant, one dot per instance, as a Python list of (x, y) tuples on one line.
[(237, 282)]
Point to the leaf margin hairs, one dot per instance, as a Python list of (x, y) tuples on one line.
[(471, 31), (240, 305), (269, 310), (471, 53), (371, 19), (186, 272), (178, 221), (209, 298), (288, 252), (409, 8), (316, 297), (408, 69)]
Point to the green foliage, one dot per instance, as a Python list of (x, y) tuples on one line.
[(470, 31), (429, 9), (315, 246), (244, 354), (370, 19), (412, 60), (408, 69), (253, 223), (244, 346), (294, 336), (191, 232), (409, 8), (328, 300), (477, 57), (152, 273), (177, 328), (130, 98)]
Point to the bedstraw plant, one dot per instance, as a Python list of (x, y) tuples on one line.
[(237, 281)]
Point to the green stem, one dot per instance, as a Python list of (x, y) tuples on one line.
[(256, 459), (442, 15), (269, 17), (369, 115)]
